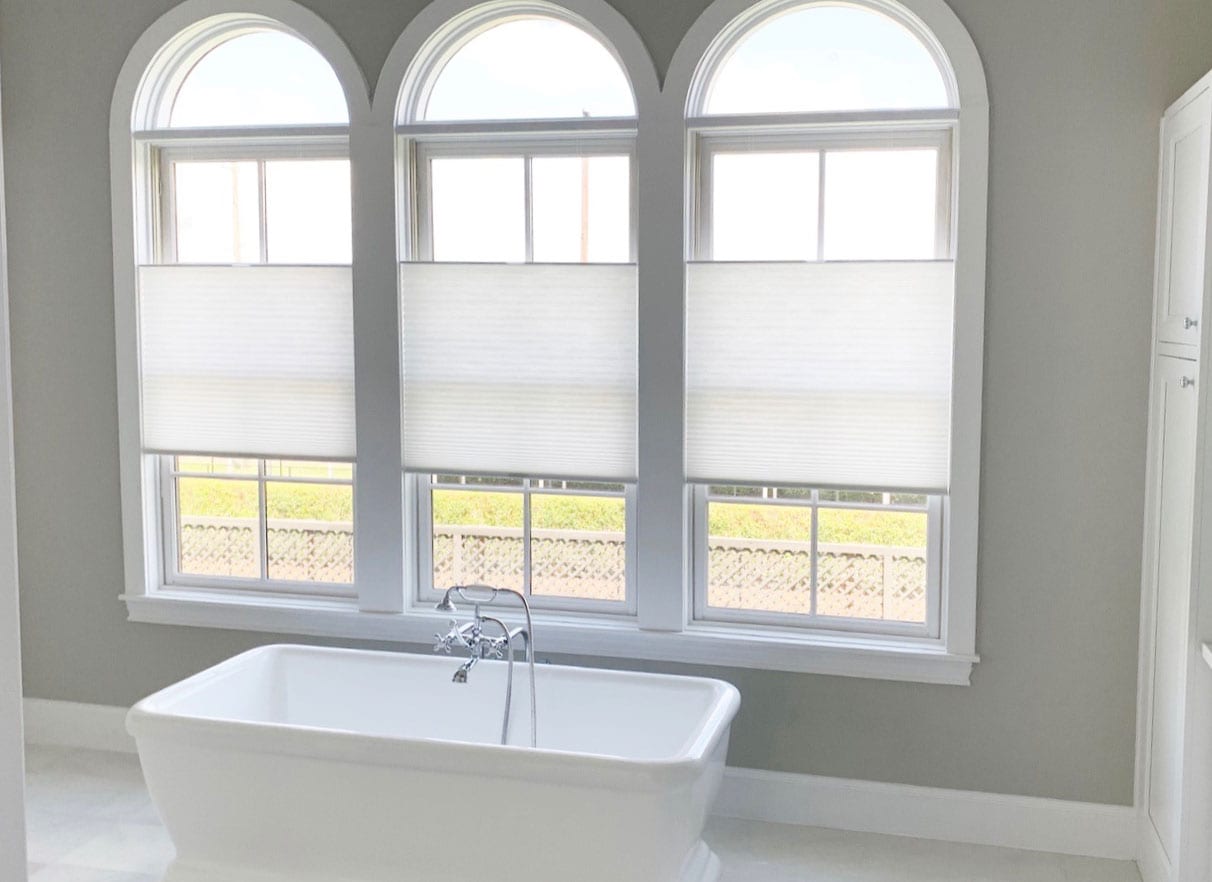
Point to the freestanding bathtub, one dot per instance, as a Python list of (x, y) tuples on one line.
[(300, 763)]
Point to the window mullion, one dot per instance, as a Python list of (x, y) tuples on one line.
[(526, 536), (528, 205), (170, 520), (661, 494), (814, 562), (378, 478), (262, 213), (262, 521), (820, 245)]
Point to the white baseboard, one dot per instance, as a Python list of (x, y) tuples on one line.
[(1151, 857), (1026, 822), (74, 724)]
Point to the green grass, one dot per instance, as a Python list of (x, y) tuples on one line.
[(326, 502), (238, 499), (842, 526)]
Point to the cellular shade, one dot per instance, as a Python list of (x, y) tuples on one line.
[(253, 360), (822, 374), (523, 369)]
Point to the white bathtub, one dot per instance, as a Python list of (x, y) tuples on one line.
[(300, 763)]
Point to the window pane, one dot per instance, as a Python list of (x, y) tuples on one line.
[(479, 211), (722, 490), (477, 537), (310, 532), (881, 204), (260, 79), (532, 68), (872, 565), (578, 547), (764, 206), (217, 212), (582, 209), (827, 58), (759, 557), (597, 486), (286, 468), (864, 496), (216, 465), (307, 211), (478, 481), (217, 528)]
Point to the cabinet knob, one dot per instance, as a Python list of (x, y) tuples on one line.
[(1189, 323), (1186, 382)]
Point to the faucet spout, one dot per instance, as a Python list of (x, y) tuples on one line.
[(460, 676)]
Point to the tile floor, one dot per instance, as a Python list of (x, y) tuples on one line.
[(90, 820)]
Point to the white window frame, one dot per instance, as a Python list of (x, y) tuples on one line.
[(418, 142), (710, 136), (283, 144), (419, 151), (929, 628), (169, 512), (157, 150), (428, 593), (820, 134), (388, 606)]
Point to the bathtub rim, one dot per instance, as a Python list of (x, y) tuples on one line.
[(153, 718)]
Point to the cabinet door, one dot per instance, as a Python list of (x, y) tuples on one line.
[(1183, 220), (1168, 562)]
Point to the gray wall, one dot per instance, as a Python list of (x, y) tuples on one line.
[(1077, 88)]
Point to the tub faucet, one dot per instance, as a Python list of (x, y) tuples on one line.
[(460, 676), (471, 636)]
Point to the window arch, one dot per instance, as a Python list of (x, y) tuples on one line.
[(259, 78), (825, 56), (827, 375)]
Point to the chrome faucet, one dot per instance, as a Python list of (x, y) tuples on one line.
[(471, 637)]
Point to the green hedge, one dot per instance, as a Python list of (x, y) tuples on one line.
[(215, 498)]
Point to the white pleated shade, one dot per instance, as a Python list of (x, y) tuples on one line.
[(247, 360), (520, 369), (821, 374)]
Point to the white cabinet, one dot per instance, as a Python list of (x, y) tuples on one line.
[(1183, 218), (1174, 743), (1167, 576)]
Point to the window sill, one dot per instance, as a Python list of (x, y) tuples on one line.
[(705, 644)]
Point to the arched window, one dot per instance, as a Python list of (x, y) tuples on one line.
[(240, 152), (259, 78), (820, 313), (517, 128)]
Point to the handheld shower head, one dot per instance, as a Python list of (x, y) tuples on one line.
[(445, 604)]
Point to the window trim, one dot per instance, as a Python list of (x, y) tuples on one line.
[(935, 23), (662, 504)]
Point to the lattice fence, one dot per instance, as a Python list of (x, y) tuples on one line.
[(299, 551), (864, 581), (564, 563)]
